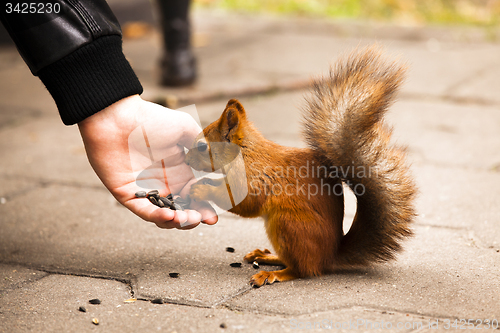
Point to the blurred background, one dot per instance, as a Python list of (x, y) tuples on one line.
[(408, 12), (138, 16)]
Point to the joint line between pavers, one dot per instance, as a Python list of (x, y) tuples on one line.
[(427, 316), (242, 291), (173, 302), (129, 282), (26, 282)]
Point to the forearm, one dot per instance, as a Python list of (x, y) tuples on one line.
[(76, 52)]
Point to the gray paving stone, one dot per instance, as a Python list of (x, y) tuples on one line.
[(45, 149), (22, 94), (107, 240), (51, 304), (446, 70), (446, 134), (461, 198), (484, 85), (13, 276), (12, 187)]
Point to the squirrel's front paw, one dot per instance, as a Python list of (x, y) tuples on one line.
[(205, 189), (200, 191)]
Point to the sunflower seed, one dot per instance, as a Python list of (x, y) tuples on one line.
[(153, 201), (82, 309), (153, 193), (157, 301), (160, 203), (177, 207), (141, 194), (95, 321), (255, 265), (95, 301), (230, 249), (170, 197), (235, 264), (174, 275), (168, 203)]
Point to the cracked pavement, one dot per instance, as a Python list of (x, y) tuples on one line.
[(64, 240)]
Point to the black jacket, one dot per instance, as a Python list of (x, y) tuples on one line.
[(75, 48)]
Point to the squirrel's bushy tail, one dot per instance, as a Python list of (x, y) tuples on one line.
[(344, 122)]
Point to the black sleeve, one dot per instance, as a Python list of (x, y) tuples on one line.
[(75, 48)]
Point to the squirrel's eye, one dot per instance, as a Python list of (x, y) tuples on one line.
[(202, 146)]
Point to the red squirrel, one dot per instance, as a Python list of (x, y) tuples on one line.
[(348, 142)]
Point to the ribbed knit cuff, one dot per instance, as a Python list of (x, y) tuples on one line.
[(90, 79)]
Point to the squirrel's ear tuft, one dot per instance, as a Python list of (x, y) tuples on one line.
[(234, 103), (231, 120)]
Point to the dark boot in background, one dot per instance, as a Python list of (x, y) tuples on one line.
[(178, 64)]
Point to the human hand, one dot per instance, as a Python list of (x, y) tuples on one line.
[(118, 160)]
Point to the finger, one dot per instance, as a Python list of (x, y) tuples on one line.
[(208, 214), (193, 219), (166, 218), (187, 219), (149, 212)]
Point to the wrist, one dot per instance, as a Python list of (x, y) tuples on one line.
[(118, 113)]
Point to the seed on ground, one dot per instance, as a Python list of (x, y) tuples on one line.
[(82, 309), (174, 275), (95, 321), (95, 301), (157, 301), (235, 264), (230, 249), (255, 265)]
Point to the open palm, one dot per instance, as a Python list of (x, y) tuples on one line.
[(135, 145)]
